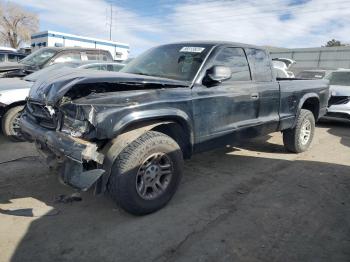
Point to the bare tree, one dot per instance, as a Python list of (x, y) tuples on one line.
[(16, 24)]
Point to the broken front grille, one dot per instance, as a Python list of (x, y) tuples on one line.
[(42, 115)]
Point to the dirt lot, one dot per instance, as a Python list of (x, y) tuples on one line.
[(250, 203)]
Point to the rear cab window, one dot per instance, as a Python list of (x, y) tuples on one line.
[(260, 65)]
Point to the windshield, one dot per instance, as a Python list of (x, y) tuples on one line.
[(39, 57), (174, 61), (311, 75), (339, 78), (43, 72)]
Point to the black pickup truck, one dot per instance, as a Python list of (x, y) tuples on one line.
[(129, 132)]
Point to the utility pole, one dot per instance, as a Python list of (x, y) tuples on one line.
[(110, 24)]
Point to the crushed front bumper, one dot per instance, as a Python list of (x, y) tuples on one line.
[(75, 153)]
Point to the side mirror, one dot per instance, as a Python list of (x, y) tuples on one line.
[(219, 74)]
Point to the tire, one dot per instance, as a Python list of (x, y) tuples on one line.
[(9, 126), (296, 140), (136, 169)]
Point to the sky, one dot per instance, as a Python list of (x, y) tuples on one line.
[(143, 24)]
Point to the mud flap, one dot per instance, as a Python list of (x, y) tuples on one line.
[(74, 175)]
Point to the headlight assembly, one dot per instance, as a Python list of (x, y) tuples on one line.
[(74, 127)]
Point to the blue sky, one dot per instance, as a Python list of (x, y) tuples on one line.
[(142, 24)]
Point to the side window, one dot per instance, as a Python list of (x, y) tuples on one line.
[(103, 67), (67, 57), (91, 56), (2, 57), (12, 58), (93, 67), (236, 60), (260, 65), (103, 56), (110, 68), (117, 67)]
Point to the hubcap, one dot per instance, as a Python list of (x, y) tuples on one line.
[(154, 175), (15, 127), (305, 133)]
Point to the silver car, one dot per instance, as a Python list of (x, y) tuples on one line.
[(339, 102)]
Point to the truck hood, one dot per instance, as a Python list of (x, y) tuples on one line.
[(51, 89), (13, 83), (336, 90)]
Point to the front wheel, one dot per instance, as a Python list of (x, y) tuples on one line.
[(146, 174), (10, 123), (298, 139)]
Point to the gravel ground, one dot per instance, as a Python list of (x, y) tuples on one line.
[(255, 202)]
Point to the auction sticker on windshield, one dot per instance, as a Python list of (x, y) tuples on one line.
[(192, 49)]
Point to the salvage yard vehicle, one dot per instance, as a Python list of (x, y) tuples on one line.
[(48, 56), (10, 56), (13, 92), (339, 103), (128, 132)]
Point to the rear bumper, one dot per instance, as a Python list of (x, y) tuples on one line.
[(73, 152)]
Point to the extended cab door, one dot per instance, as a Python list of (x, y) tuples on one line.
[(222, 108), (267, 89)]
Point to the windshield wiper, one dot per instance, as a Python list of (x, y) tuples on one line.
[(143, 74)]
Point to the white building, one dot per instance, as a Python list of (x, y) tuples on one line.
[(119, 51)]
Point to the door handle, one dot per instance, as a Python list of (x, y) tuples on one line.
[(254, 96)]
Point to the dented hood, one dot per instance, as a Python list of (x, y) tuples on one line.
[(50, 89)]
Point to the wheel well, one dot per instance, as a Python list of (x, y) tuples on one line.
[(177, 130), (179, 133), (312, 104), (18, 103)]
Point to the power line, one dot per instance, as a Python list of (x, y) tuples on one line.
[(111, 24)]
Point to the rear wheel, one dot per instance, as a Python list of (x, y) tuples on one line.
[(299, 138), (10, 123), (146, 173)]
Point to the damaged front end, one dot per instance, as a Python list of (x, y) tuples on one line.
[(72, 116), (63, 140)]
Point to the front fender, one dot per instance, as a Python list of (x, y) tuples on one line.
[(154, 115)]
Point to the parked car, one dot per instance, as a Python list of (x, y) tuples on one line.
[(339, 102), (10, 56), (128, 132), (13, 92), (52, 55), (313, 74)]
